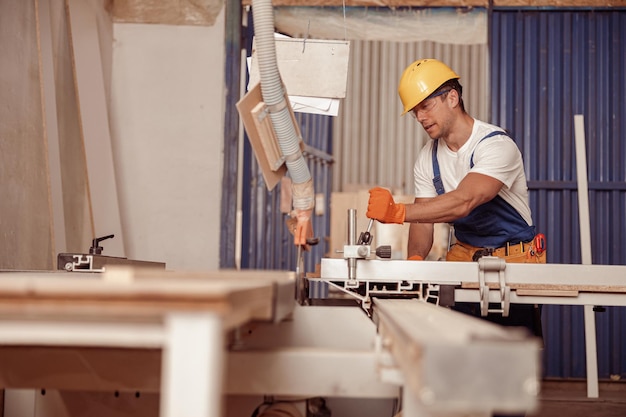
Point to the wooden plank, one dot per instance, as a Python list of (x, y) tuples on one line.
[(79, 229), (245, 106), (94, 124), (585, 249), (552, 287), (167, 12), (51, 130), (583, 190), (547, 293), (25, 211), (135, 292)]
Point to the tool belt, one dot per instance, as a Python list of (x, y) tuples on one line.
[(522, 252)]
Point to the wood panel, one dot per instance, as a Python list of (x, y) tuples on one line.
[(78, 224), (94, 123), (169, 12), (25, 210), (44, 208)]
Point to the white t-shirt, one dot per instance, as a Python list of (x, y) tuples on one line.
[(497, 156)]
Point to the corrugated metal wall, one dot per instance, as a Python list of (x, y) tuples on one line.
[(548, 66), (369, 142), (372, 143)]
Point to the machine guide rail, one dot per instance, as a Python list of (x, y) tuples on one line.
[(96, 262), (488, 281), (82, 262)]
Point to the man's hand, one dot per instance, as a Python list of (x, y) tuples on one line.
[(304, 228), (381, 207), (299, 224)]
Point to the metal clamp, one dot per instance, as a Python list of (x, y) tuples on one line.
[(493, 266), (81, 263)]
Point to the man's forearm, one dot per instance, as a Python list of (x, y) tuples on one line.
[(443, 209), (420, 239), (474, 190)]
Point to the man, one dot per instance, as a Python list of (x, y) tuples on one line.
[(471, 175)]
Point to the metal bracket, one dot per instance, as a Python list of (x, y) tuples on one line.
[(356, 251), (489, 266), (78, 262), (81, 263)]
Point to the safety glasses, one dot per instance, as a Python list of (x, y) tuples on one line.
[(427, 105)]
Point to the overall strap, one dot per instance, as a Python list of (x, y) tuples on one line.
[(437, 182), (437, 175), (494, 133)]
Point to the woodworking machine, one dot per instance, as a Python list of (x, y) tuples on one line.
[(365, 274), (407, 296)]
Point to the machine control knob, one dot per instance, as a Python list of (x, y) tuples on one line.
[(384, 251), (95, 248)]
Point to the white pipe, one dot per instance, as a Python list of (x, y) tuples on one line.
[(274, 97)]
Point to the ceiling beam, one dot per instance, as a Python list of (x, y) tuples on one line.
[(446, 3)]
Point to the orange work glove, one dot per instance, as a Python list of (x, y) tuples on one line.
[(381, 207), (299, 224), (304, 227)]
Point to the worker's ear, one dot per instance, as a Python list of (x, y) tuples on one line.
[(453, 98)]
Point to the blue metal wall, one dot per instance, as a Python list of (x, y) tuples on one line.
[(546, 67)]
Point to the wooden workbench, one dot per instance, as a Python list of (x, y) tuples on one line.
[(184, 317)]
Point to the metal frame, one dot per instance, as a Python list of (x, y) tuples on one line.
[(455, 364), (490, 280), (439, 361)]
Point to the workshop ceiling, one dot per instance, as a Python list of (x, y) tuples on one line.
[(447, 3), (204, 12)]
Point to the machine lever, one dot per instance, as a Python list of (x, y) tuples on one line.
[(365, 238), (95, 248)]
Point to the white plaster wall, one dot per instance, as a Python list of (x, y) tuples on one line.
[(167, 115)]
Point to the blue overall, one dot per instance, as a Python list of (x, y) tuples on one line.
[(492, 224)]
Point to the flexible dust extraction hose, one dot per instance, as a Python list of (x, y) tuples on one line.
[(274, 97)]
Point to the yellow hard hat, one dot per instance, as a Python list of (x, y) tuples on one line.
[(421, 79)]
